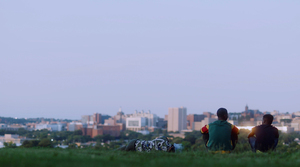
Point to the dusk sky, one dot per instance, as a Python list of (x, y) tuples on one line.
[(64, 59)]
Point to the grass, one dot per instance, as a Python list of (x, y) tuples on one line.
[(31, 157)]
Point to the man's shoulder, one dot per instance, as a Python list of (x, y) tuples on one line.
[(220, 123), (266, 127)]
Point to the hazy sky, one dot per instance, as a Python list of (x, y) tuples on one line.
[(64, 59)]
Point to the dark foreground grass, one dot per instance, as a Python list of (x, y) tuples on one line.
[(88, 157)]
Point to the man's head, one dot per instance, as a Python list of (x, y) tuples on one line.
[(222, 114), (268, 119)]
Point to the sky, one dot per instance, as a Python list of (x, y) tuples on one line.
[(64, 59)]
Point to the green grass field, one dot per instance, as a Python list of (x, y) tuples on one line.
[(89, 157)]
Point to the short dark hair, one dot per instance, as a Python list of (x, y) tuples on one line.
[(268, 118), (222, 112)]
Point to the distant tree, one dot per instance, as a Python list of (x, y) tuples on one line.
[(26, 144), (190, 138), (30, 143), (72, 146), (9, 145), (78, 132), (177, 140), (45, 143), (186, 145)]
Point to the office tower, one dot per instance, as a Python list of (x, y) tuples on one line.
[(177, 119), (97, 118)]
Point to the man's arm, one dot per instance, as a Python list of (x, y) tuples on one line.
[(204, 129), (234, 135), (252, 133), (205, 135), (234, 129), (276, 134)]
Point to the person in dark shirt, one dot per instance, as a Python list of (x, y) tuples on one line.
[(264, 137)]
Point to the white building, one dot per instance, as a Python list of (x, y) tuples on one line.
[(152, 119), (41, 126), (177, 120), (141, 120), (50, 127), (136, 123), (12, 138), (3, 126)]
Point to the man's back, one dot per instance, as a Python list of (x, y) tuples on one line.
[(265, 136), (220, 136)]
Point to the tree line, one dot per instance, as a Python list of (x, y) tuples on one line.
[(191, 141)]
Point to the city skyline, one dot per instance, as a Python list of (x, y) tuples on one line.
[(160, 115), (75, 58)]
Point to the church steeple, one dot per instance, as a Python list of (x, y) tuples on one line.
[(246, 108)]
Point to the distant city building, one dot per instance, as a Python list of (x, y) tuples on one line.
[(120, 117), (191, 118), (51, 127), (95, 130), (2, 126), (234, 116), (208, 114), (166, 118), (161, 123), (233, 122), (72, 126), (275, 112), (296, 114), (104, 117), (97, 118), (139, 121), (177, 119), (110, 121), (13, 138), (136, 123), (296, 124), (92, 119), (13, 127), (87, 119), (198, 125), (248, 114), (151, 119)]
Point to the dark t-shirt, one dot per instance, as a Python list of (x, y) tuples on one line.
[(265, 136)]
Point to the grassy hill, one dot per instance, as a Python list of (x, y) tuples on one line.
[(89, 157)]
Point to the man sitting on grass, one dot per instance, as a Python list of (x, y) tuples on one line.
[(160, 144), (264, 137), (220, 136)]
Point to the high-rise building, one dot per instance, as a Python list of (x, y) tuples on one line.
[(97, 118), (177, 119)]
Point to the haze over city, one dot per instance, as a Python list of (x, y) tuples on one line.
[(75, 58)]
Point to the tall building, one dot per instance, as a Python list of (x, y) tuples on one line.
[(120, 117), (177, 119), (97, 118)]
